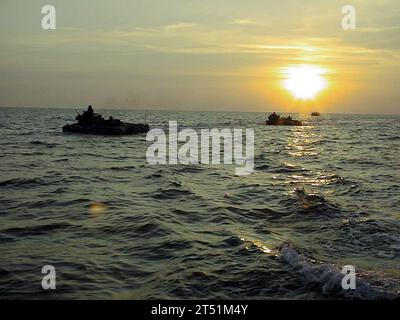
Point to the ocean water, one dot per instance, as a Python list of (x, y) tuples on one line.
[(322, 196)]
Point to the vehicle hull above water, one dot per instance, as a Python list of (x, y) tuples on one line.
[(107, 129)]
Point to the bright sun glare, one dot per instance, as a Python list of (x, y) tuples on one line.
[(304, 81)]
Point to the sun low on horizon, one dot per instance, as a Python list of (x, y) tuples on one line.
[(304, 82)]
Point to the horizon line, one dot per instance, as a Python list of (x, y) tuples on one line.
[(171, 109)]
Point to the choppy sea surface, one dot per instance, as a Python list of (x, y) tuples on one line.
[(322, 196)]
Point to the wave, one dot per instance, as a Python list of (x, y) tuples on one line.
[(35, 230), (146, 230), (45, 144), (125, 168), (379, 238), (285, 168), (175, 189), (27, 182), (309, 205), (327, 278)]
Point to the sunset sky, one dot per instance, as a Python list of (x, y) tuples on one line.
[(202, 55)]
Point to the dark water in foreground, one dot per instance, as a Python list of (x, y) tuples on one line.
[(322, 196)]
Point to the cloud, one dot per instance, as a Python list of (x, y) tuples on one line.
[(244, 22), (179, 26)]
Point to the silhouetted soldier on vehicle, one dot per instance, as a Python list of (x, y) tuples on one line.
[(88, 116), (89, 111), (273, 118)]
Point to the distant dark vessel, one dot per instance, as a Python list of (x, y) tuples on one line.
[(276, 120), (94, 123), (315, 114)]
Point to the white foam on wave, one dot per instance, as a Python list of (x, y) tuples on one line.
[(328, 278)]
